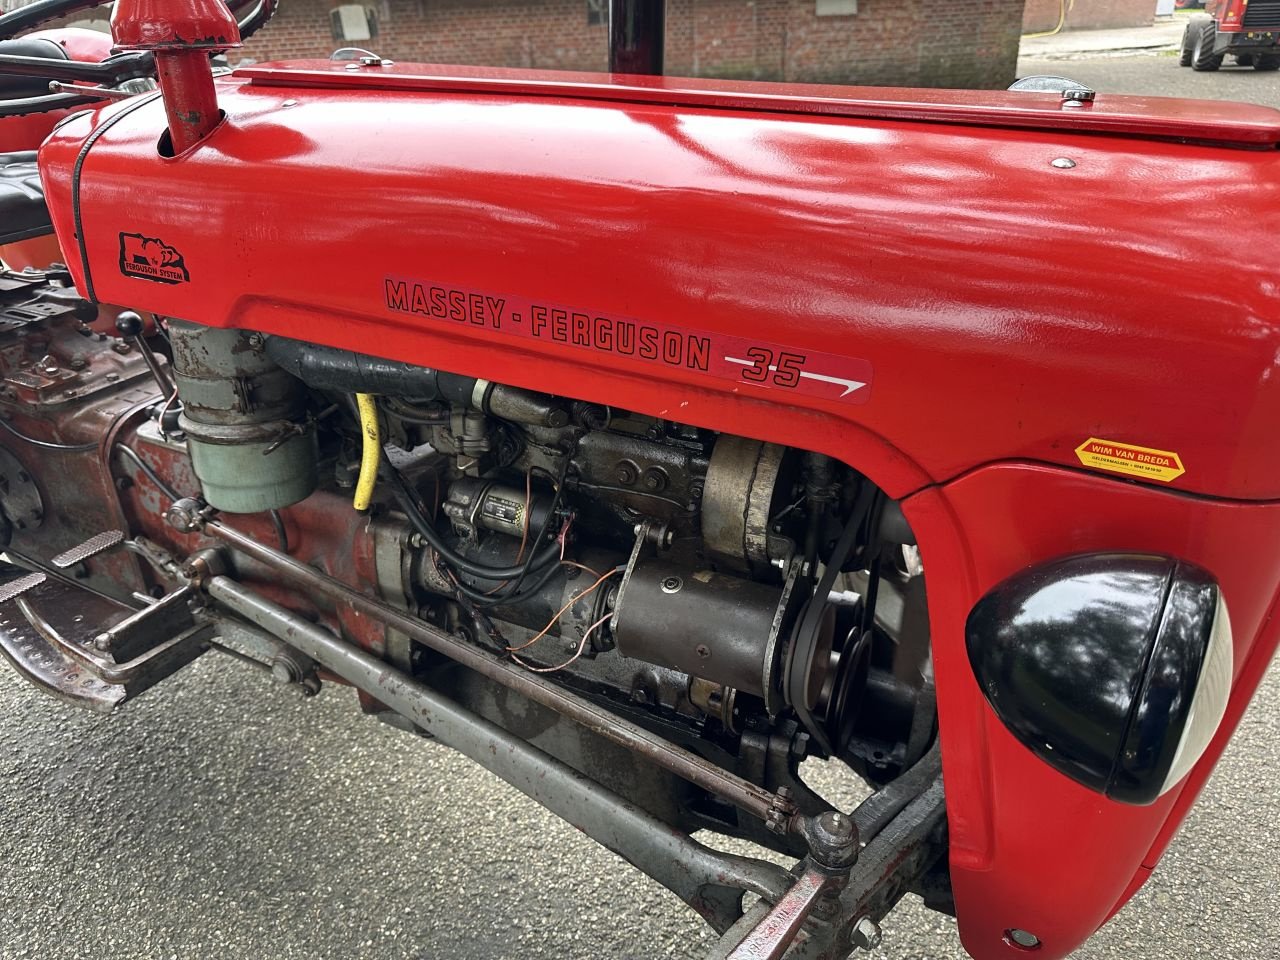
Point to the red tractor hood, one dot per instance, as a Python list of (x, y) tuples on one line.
[(927, 281)]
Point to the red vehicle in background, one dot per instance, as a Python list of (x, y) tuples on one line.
[(1248, 30), (603, 428)]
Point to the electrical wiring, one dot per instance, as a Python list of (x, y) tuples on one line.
[(510, 582), (552, 622), (524, 527), (536, 560), (168, 404), (509, 599), (580, 566), (486, 625), (582, 646), (514, 588)]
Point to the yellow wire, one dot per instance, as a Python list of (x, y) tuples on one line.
[(369, 453)]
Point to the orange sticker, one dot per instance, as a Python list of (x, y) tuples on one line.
[(1142, 462)]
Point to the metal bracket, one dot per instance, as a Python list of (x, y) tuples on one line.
[(829, 913), (149, 626)]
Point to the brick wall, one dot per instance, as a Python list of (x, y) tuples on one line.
[(1088, 14), (958, 43)]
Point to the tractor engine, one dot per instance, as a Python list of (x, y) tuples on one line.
[(586, 424), (712, 587)]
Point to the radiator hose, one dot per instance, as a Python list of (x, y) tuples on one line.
[(344, 371)]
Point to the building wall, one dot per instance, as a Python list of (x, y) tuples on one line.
[(1088, 14), (960, 43)]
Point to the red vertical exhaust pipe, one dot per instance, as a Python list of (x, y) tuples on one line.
[(182, 35)]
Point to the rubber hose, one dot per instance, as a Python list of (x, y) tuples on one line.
[(370, 451), (328, 368)]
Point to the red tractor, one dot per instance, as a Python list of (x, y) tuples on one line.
[(602, 427), (1250, 32)]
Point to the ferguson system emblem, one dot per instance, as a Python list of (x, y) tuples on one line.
[(149, 258)]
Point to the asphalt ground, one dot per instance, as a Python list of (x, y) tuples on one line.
[(1158, 75), (218, 818)]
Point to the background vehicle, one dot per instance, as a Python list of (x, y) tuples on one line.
[(615, 460), (1249, 32)]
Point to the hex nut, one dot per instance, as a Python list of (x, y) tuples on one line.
[(866, 934)]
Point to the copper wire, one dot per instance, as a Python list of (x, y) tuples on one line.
[(551, 623), (582, 646)]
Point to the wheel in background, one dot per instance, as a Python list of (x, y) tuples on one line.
[(1188, 44), (1202, 56), (1267, 62)]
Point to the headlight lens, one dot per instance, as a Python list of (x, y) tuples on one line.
[(1113, 668), (1210, 701)]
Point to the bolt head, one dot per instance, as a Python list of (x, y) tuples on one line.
[(284, 672), (866, 934), (183, 515), (837, 824), (1022, 939)]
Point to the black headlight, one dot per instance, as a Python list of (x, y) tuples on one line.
[(1113, 668)]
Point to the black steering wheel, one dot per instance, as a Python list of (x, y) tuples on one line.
[(29, 64)]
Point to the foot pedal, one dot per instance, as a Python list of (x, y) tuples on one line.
[(15, 588), (99, 543), (40, 662), (48, 633)]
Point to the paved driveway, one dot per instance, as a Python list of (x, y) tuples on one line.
[(216, 818)]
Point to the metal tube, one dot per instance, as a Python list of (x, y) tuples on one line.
[(637, 36), (686, 867), (190, 102), (703, 773)]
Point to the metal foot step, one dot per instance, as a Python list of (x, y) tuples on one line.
[(51, 632), (16, 587), (98, 543)]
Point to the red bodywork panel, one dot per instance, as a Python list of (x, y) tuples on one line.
[(1228, 13), (903, 280), (26, 132)]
